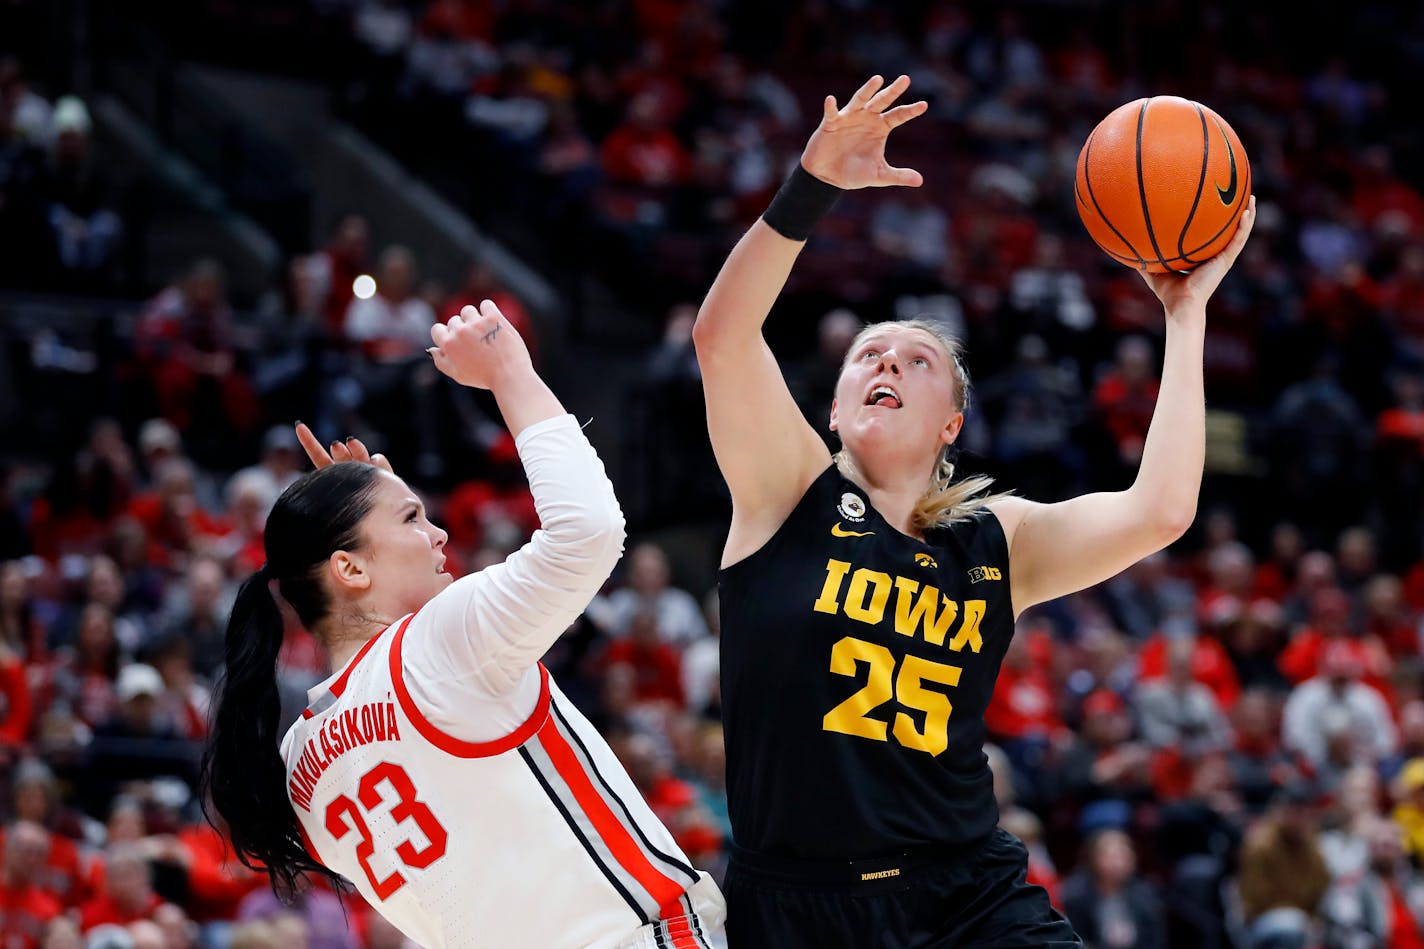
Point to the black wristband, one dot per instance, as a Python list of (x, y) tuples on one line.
[(800, 203)]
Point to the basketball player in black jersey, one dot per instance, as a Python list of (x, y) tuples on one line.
[(867, 599)]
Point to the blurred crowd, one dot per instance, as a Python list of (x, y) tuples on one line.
[(1224, 746)]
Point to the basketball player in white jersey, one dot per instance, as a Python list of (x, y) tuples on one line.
[(440, 770)]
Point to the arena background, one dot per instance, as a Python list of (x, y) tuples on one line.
[(1222, 747)]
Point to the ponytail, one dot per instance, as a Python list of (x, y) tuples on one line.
[(244, 776)]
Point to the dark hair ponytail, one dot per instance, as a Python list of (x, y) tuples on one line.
[(244, 776)]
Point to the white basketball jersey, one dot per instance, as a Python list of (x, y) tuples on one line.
[(524, 830)]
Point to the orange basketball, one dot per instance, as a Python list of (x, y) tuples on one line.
[(1162, 183)]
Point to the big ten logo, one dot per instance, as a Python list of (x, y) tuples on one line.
[(985, 573)]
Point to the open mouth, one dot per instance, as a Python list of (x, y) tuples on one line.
[(440, 567), (885, 397)]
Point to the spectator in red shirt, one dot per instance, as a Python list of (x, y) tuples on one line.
[(643, 151), (177, 525), (1276, 574), (657, 667), (25, 909), (16, 711), (1210, 665), (1388, 617), (1330, 622), (1126, 396), (128, 890)]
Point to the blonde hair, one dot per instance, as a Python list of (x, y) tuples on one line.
[(945, 501)]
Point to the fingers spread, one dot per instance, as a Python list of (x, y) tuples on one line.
[(888, 95), (358, 449), (904, 177), (380, 461), (828, 109), (901, 114), (863, 94), (339, 452)]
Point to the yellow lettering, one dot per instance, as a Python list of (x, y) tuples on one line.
[(911, 613), (969, 632), (869, 609), (829, 600)]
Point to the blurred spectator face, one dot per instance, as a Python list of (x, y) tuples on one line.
[(640, 757), (835, 333), (619, 689), (1180, 652), (1316, 571), (146, 935), (62, 933), (1411, 724), (1356, 552), (1231, 566), (26, 846), (712, 755), (1220, 529), (126, 821), (1287, 543), (106, 584), (14, 585), (648, 571), (254, 935), (1254, 718), (128, 542), (1341, 663), (1384, 597), (1134, 359), (678, 329), (352, 239), (204, 289), (1359, 792), (1330, 612), (1105, 720), (1386, 847), (397, 274), (290, 931), (34, 788), (1113, 861), (127, 879), (205, 586), (643, 629), (96, 634), (179, 932), (175, 491)]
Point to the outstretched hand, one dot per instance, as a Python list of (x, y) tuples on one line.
[(352, 449), (1192, 290), (848, 147)]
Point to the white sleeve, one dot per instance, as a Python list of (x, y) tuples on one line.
[(481, 637)]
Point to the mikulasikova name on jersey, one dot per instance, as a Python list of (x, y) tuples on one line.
[(374, 721)]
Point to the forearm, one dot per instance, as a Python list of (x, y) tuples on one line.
[(746, 287), (524, 399), (1169, 478)]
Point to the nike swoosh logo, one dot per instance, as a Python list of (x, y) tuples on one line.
[(838, 531), (1227, 195)]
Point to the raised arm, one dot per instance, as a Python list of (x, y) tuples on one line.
[(766, 450), (489, 629), (1056, 549)]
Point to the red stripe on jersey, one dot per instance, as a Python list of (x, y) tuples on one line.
[(614, 834), (449, 743), (681, 932), (339, 685)]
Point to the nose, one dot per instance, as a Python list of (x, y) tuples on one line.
[(440, 537), (890, 362)]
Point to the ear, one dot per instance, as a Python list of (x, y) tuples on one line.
[(348, 572), (951, 431), (834, 423)]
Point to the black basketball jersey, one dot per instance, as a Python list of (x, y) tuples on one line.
[(857, 663)]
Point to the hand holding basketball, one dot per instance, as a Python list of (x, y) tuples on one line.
[(479, 348), (848, 147), (1179, 292)]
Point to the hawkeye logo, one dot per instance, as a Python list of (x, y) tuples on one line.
[(925, 560), (852, 508), (985, 573), (838, 531)]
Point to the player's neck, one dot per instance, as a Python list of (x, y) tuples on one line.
[(343, 640), (893, 493)]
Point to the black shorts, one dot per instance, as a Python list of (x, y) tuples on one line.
[(971, 899)]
